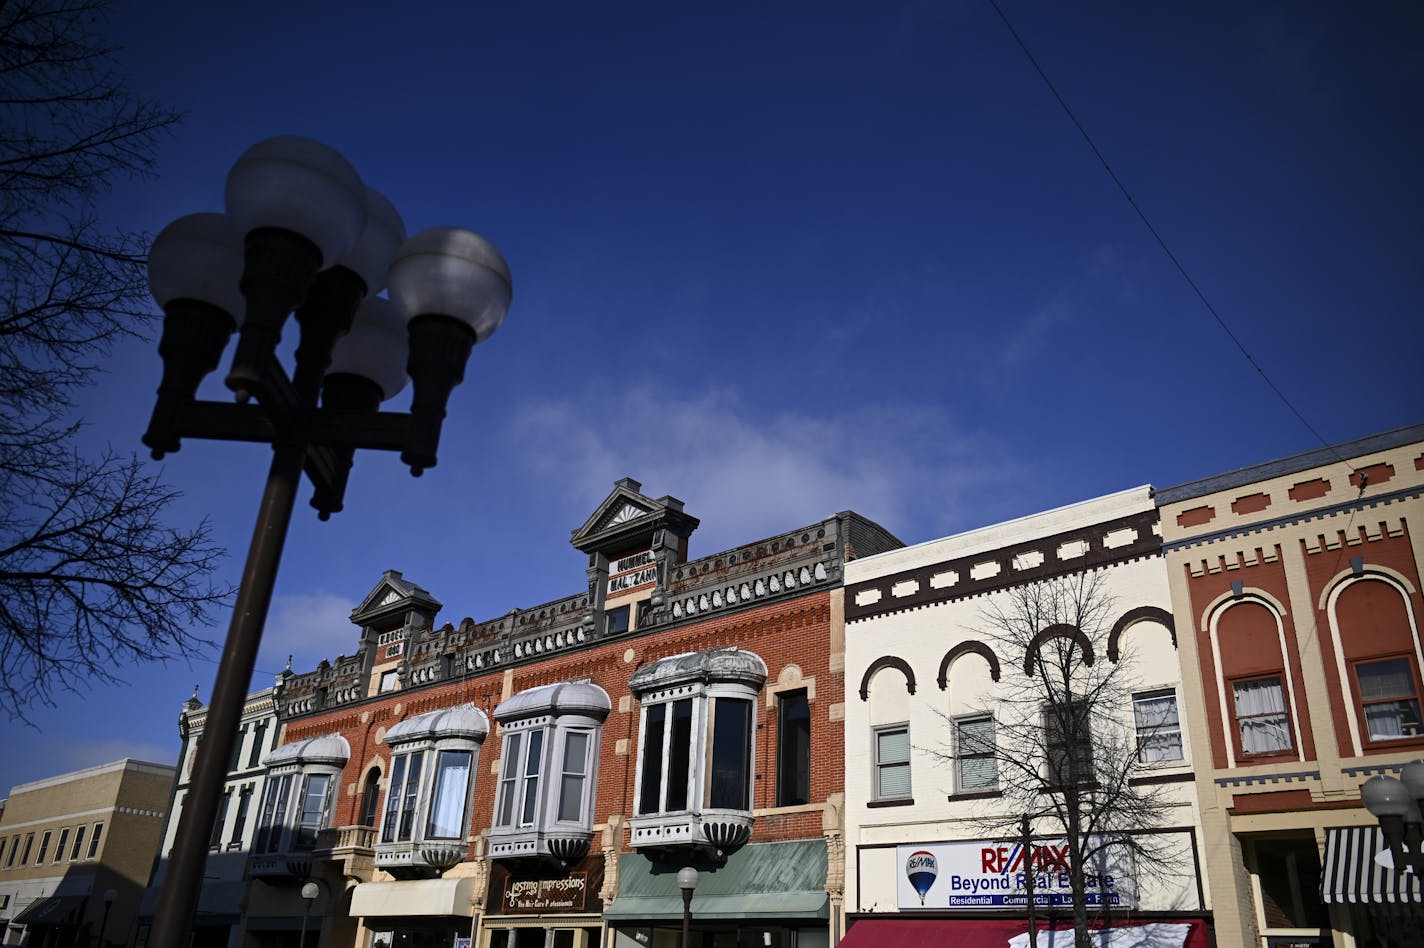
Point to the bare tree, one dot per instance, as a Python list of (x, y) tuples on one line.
[(90, 576), (1065, 741)]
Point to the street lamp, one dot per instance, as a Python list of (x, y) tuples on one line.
[(1396, 803), (687, 882), (302, 234), (309, 893), (109, 896)]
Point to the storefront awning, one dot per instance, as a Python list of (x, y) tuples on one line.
[(1355, 873), (55, 910), (762, 880), (413, 897), (994, 933)]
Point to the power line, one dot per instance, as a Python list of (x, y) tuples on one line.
[(1142, 215)]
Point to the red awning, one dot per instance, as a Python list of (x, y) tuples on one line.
[(992, 933)]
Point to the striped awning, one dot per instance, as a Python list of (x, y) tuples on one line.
[(1355, 871)]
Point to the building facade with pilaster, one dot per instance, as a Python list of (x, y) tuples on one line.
[(539, 778)]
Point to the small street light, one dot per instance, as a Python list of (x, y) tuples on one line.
[(309, 893), (302, 235), (1397, 803), (687, 882), (109, 896)]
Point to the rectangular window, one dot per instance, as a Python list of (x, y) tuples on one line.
[(244, 801), (616, 620), (44, 848), (3, 844), (679, 757), (447, 801), (29, 845), (215, 837), (975, 758), (393, 798), (892, 762), (78, 843), (274, 814), (509, 778), (409, 797), (1068, 744), (1389, 702), (236, 760), (58, 849), (94, 840), (650, 792), (1261, 716), (729, 773), (254, 757), (533, 757), (312, 815), (793, 749), (388, 681), (573, 775), (1159, 727)]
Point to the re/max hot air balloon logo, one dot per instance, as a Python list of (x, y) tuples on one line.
[(922, 870)]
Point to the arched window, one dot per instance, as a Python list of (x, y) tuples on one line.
[(1376, 641), (1256, 688), (370, 796)]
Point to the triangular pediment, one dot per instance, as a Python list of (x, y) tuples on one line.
[(394, 593), (626, 512)]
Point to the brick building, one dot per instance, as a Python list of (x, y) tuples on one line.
[(1296, 590), (540, 778), (75, 852)]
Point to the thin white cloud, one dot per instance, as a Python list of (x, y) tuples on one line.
[(309, 627), (749, 470), (77, 755)]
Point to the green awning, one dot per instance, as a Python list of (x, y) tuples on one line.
[(762, 880)]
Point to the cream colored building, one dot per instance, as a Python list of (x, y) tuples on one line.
[(1296, 587), (934, 693), (76, 850)]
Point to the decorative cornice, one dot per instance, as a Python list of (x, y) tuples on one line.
[(1133, 537), (1247, 780)]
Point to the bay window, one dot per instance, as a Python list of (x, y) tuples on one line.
[(544, 800), (696, 741), (296, 805), (427, 809)]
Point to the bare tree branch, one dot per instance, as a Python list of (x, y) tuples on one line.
[(91, 577)]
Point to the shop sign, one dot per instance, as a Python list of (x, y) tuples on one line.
[(994, 874), (568, 894), (631, 562), (647, 574)]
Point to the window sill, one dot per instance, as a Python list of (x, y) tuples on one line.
[(897, 801), (975, 795)]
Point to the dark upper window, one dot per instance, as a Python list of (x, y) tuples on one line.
[(259, 732), (215, 837), (616, 620), (370, 797), (239, 824), (301, 783), (1068, 742), (793, 749)]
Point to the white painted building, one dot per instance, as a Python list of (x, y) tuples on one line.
[(932, 798)]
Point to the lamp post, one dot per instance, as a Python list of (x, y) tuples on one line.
[(309, 893), (109, 896), (1396, 803), (301, 234), (687, 882)]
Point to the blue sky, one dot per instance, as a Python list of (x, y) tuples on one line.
[(787, 259)]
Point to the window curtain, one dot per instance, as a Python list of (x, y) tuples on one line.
[(1261, 715), (977, 766), (447, 805), (892, 756)]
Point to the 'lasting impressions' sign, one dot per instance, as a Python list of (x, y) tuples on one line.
[(993, 874), (569, 894)]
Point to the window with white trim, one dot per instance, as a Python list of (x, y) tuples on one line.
[(58, 849), (1159, 726), (544, 799), (892, 762), (94, 839), (301, 781), (696, 744), (78, 843), (1389, 699), (1262, 720), (425, 820), (976, 765), (44, 848)]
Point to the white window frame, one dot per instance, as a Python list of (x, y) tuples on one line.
[(877, 764), (282, 826), (1147, 731), (961, 785), (704, 698)]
